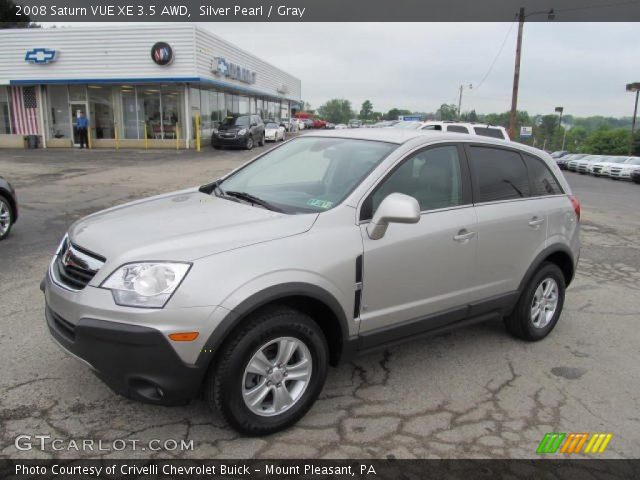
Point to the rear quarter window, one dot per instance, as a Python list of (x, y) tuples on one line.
[(543, 181), (457, 129), (489, 132)]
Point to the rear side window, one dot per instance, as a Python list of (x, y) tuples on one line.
[(489, 132), (542, 180), (498, 174), (457, 128)]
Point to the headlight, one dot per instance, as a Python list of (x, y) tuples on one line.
[(63, 242), (147, 285), (242, 132), (215, 130)]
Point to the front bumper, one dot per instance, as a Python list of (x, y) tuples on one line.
[(129, 348), (218, 141), (134, 361)]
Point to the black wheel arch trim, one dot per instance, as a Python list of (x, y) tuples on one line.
[(264, 297), (541, 257)]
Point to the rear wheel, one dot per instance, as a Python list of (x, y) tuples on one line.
[(539, 306), (262, 141), (270, 372), (6, 218)]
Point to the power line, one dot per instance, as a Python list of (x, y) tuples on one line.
[(504, 42)]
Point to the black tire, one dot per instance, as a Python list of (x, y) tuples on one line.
[(224, 383), (519, 323), (216, 147), (262, 141), (636, 181), (249, 144), (6, 205)]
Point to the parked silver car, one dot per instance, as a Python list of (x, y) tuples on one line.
[(331, 244)]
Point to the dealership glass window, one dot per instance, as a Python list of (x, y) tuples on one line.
[(101, 111), (5, 122), (131, 107), (172, 124), (151, 109), (243, 105), (59, 113)]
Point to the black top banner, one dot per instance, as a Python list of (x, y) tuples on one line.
[(325, 10)]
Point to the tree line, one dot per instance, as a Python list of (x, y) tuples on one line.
[(595, 134)]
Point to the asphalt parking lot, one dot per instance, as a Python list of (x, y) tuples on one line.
[(472, 393)]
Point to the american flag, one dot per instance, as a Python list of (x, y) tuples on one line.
[(25, 110)]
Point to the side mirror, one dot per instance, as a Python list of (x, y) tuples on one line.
[(395, 208)]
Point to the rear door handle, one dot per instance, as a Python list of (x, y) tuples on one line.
[(535, 221), (464, 235)]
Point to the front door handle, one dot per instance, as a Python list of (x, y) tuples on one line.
[(464, 235), (535, 221)]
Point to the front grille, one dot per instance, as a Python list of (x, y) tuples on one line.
[(64, 327), (74, 267), (597, 169)]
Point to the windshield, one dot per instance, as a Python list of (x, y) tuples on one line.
[(242, 121), (616, 159), (271, 125), (309, 174), (408, 125), (633, 161)]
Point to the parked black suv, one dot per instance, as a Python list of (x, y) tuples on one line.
[(239, 131)]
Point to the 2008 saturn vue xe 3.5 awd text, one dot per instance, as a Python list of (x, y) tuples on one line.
[(330, 244)]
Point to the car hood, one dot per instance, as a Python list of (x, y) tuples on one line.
[(182, 225)]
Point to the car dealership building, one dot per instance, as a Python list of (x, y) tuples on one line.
[(141, 86)]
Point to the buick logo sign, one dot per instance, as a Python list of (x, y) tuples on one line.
[(162, 53)]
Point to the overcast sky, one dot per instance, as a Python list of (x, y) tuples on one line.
[(418, 66), (581, 66)]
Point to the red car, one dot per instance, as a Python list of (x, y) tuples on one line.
[(317, 123)]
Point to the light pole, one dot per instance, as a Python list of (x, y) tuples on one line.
[(560, 110), (516, 71), (633, 87)]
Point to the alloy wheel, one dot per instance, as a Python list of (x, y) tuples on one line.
[(277, 376), (5, 217), (544, 303)]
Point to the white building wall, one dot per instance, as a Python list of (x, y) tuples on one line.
[(97, 53), (124, 52), (269, 79)]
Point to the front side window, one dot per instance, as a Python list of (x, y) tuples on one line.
[(431, 176), (542, 180), (309, 174), (498, 174)]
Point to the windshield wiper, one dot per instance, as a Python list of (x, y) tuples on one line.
[(250, 198)]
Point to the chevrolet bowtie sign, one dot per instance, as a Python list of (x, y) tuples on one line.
[(223, 67), (40, 55)]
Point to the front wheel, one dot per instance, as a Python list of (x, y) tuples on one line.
[(270, 372), (249, 144), (539, 306)]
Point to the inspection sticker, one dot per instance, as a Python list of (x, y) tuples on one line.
[(324, 204)]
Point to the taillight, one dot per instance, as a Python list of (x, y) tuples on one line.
[(576, 205)]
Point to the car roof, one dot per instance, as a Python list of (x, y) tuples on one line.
[(399, 136)]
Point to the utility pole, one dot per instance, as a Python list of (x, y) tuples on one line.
[(516, 78), (460, 99), (633, 87)]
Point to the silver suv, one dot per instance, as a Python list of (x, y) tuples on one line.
[(334, 243)]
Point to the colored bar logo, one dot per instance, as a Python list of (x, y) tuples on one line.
[(569, 443)]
